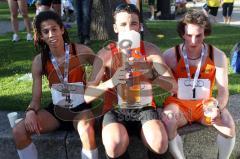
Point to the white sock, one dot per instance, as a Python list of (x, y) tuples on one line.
[(29, 152), (176, 147), (225, 146), (89, 154)]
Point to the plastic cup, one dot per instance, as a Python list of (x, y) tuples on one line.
[(129, 38), (18, 120), (208, 106), (12, 117)]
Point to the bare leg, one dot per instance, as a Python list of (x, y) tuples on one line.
[(84, 123), (13, 6), (115, 139), (156, 140), (226, 138), (25, 148), (173, 118), (22, 138), (151, 7), (24, 10), (225, 19), (229, 20)]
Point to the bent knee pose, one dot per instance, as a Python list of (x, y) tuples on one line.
[(61, 62), (198, 67), (129, 117)]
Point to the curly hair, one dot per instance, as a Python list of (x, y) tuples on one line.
[(40, 46), (194, 16)]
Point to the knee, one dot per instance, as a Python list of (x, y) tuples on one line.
[(14, 15), (160, 145), (19, 134), (24, 15), (115, 148), (169, 120), (111, 148)]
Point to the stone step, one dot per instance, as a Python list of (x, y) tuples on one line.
[(199, 141)]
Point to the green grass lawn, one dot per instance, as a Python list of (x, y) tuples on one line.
[(15, 59), (223, 37)]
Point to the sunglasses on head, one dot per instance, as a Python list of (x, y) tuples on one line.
[(126, 7)]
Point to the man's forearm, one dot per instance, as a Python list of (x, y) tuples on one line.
[(93, 92), (222, 98)]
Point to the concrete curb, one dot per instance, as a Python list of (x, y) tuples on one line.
[(199, 141)]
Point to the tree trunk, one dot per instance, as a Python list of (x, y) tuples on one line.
[(102, 20)]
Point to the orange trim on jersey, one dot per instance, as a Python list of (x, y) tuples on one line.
[(192, 109), (110, 97), (75, 74)]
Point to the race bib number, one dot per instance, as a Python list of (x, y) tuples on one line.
[(70, 96), (201, 91)]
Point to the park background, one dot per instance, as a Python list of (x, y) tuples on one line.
[(16, 58)]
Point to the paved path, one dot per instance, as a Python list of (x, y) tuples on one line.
[(5, 26), (235, 16)]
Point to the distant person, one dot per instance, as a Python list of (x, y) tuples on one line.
[(51, 4), (213, 6), (151, 4), (163, 9), (227, 6), (158, 9), (83, 11), (198, 67), (37, 5), (181, 6), (15, 7), (68, 11)]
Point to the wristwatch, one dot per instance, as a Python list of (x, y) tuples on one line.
[(31, 108)]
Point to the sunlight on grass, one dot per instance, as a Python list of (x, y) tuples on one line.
[(16, 59), (160, 36), (17, 94)]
